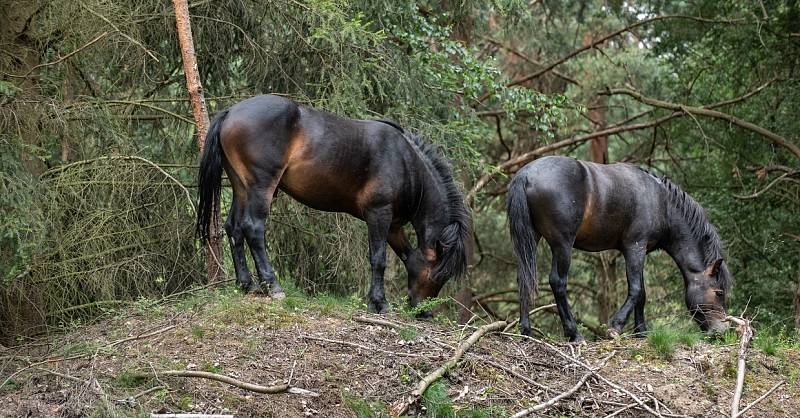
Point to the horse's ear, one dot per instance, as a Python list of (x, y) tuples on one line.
[(713, 269)]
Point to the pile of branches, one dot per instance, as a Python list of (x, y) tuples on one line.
[(118, 228)]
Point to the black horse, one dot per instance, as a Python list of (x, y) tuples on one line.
[(595, 207), (373, 170)]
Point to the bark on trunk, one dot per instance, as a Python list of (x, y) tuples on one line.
[(797, 304), (195, 87)]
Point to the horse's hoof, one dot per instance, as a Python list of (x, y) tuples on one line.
[(425, 315), (612, 333), (578, 340), (278, 295), (381, 307)]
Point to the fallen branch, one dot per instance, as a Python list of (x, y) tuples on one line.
[(376, 321), (572, 390), (132, 399), (189, 416), (602, 378), (416, 394), (363, 347), (513, 323), (760, 398), (746, 331), (238, 383)]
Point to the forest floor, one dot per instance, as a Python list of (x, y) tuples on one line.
[(113, 367)]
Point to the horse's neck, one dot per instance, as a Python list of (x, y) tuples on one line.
[(684, 249), (431, 211)]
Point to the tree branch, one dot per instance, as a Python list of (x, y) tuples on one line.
[(599, 41), (775, 138)]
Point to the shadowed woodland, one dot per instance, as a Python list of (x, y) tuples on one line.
[(99, 152)]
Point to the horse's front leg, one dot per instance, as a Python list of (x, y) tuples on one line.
[(634, 268), (378, 220)]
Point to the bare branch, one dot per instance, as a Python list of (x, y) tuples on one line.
[(599, 41), (775, 138), (63, 58)]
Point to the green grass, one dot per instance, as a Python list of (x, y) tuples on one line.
[(404, 309), (363, 408), (437, 402), (131, 379), (408, 333), (664, 339), (198, 332)]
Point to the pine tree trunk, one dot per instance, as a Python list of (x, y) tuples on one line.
[(797, 304), (195, 87)]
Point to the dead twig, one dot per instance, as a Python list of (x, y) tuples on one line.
[(416, 394), (238, 383), (760, 398), (572, 390), (746, 331), (513, 323), (620, 388), (363, 347), (131, 399), (376, 321)]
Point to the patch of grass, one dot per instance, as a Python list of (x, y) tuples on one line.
[(428, 304), (11, 386), (82, 347), (364, 409), (198, 332), (328, 304), (211, 367), (131, 379), (408, 333), (663, 341), (437, 402), (767, 343), (488, 412)]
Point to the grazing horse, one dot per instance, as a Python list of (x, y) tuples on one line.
[(595, 207), (372, 170)]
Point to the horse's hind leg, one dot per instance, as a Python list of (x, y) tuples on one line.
[(634, 267), (562, 253), (233, 228), (256, 211)]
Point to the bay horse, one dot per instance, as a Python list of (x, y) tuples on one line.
[(372, 170), (596, 207)]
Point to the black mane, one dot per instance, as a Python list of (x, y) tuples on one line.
[(683, 206), (456, 233)]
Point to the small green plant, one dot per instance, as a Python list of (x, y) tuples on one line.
[(364, 409), (663, 340), (408, 333), (426, 305), (198, 332), (437, 402), (131, 379), (11, 385), (767, 343), (211, 367)]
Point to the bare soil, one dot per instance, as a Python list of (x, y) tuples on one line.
[(108, 368)]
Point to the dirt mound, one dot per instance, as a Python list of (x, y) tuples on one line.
[(114, 367)]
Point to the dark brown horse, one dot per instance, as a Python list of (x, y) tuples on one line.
[(595, 207), (373, 170)]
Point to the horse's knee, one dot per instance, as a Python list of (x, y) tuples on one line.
[(557, 285)]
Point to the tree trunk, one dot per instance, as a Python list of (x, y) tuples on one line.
[(606, 279), (797, 304), (195, 87)]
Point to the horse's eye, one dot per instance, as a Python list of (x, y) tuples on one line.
[(720, 293)]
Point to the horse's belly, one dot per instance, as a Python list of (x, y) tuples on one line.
[(321, 191)]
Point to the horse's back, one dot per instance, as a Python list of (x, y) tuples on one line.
[(593, 206)]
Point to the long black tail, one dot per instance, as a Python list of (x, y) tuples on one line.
[(209, 179), (522, 236)]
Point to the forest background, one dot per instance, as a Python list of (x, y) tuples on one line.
[(99, 153)]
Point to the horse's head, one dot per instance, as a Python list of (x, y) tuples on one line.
[(431, 266), (705, 296)]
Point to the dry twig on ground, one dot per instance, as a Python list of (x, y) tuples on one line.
[(746, 331), (416, 394), (238, 383)]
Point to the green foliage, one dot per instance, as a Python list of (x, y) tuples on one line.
[(131, 379), (363, 408), (663, 339), (437, 402), (405, 309)]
